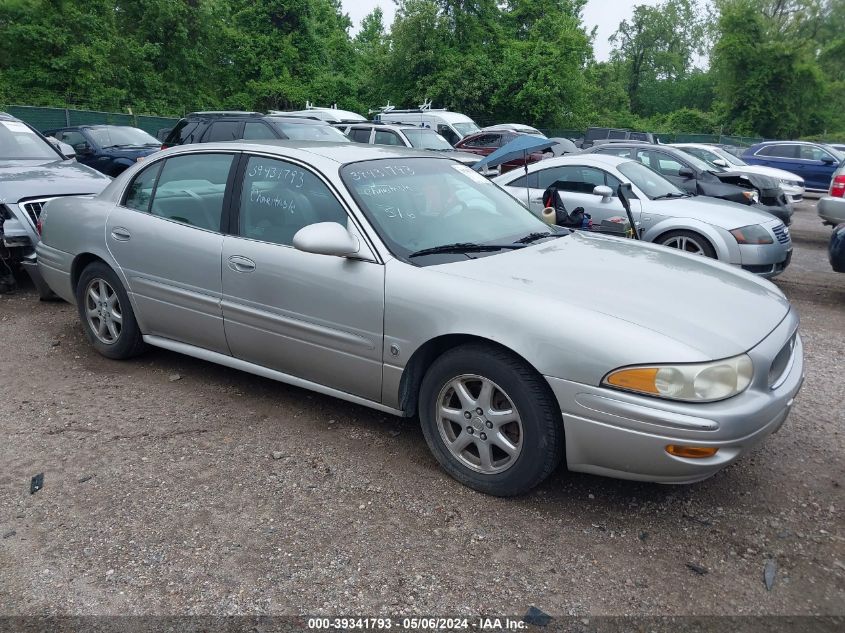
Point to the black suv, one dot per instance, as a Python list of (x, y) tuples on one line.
[(209, 127), (598, 135)]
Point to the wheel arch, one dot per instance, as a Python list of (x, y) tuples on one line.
[(427, 353), (80, 262), (725, 252)]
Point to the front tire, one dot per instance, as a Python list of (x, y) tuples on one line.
[(490, 420), (689, 242), (106, 314)]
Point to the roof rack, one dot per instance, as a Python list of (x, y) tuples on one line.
[(425, 106), (224, 113)]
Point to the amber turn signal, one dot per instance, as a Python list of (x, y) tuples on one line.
[(638, 379), (692, 452)]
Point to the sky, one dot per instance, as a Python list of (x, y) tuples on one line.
[(605, 14)]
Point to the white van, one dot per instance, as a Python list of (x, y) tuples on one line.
[(453, 126), (330, 115)]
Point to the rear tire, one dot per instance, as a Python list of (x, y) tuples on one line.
[(106, 313), (490, 420), (689, 242)]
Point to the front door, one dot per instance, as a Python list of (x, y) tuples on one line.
[(316, 317), (166, 238)]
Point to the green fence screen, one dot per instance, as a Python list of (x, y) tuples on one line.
[(48, 118)]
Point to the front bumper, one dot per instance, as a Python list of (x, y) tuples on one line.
[(623, 435), (831, 210)]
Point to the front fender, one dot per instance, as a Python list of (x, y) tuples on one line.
[(727, 250)]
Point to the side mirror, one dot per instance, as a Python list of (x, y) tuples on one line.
[(326, 238), (827, 160), (66, 149), (685, 172), (604, 191), (720, 162)]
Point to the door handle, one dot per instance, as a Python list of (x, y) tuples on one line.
[(120, 234), (241, 264)]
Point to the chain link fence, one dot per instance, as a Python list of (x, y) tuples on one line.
[(49, 118)]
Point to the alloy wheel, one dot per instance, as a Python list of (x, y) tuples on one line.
[(479, 424), (103, 311)]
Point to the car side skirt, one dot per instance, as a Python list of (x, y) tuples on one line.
[(258, 370)]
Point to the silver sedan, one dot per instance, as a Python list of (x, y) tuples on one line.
[(720, 229), (408, 283)]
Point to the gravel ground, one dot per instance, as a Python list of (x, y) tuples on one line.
[(174, 486)]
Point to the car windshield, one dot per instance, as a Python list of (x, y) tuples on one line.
[(465, 129), (840, 156), (423, 203), (310, 132), (426, 139), (701, 165), (733, 160), (19, 142), (711, 154), (649, 181), (121, 136)]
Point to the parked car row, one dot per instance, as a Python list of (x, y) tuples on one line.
[(405, 281)]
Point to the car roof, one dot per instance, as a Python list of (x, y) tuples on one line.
[(582, 158), (340, 153)]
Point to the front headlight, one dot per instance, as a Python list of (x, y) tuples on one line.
[(701, 382), (790, 183), (752, 234), (751, 196)]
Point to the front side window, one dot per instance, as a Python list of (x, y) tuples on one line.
[(360, 134), (812, 152), (75, 140), (191, 188), (257, 131), (422, 138), (575, 178), (780, 151), (385, 137), (140, 192), (420, 203), (279, 198), (448, 133)]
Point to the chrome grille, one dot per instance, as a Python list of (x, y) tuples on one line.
[(782, 233), (33, 208)]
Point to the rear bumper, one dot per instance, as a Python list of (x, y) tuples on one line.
[(831, 210), (625, 436)]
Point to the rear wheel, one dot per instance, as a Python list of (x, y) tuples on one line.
[(689, 242), (106, 314), (490, 420)]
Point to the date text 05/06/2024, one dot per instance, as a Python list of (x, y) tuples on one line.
[(418, 623)]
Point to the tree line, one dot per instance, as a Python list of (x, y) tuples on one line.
[(774, 68)]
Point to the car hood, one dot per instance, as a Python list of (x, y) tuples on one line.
[(772, 172), (739, 177), (705, 305), (714, 211), (33, 178)]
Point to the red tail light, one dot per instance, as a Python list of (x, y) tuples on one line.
[(165, 146), (38, 226), (837, 187)]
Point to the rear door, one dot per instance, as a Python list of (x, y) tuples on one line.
[(167, 240), (315, 317)]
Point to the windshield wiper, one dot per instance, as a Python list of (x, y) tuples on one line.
[(668, 196), (465, 247), (533, 237)]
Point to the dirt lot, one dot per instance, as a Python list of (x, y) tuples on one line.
[(162, 496)]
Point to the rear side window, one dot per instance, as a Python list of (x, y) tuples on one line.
[(780, 151), (223, 131), (140, 192), (360, 135), (190, 190), (617, 134)]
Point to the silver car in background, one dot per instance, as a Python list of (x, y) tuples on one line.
[(409, 283), (730, 232), (831, 208), (791, 184)]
